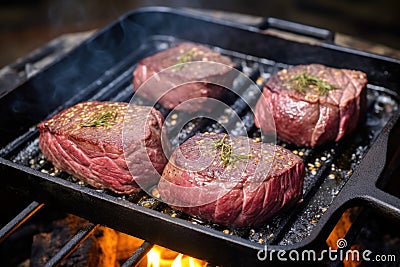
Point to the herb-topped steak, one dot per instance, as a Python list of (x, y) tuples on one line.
[(231, 181), (85, 141), (180, 75), (313, 104)]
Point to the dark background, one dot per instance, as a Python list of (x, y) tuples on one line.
[(26, 25)]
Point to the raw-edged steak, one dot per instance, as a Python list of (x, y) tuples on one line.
[(86, 141), (231, 181), (189, 82), (313, 104)]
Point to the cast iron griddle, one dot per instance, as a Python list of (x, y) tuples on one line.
[(338, 175)]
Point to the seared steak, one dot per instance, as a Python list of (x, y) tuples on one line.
[(231, 181), (179, 77), (313, 104), (85, 141)]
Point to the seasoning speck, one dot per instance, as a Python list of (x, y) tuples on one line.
[(155, 193), (260, 80)]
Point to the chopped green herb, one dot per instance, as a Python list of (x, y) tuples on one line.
[(303, 82), (100, 119), (185, 57), (226, 155)]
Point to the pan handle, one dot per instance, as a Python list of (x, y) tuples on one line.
[(297, 28), (361, 188), (382, 156), (383, 202)]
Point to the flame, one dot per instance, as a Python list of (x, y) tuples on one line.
[(178, 260), (162, 257), (153, 258)]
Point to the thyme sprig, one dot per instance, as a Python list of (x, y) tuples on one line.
[(226, 155), (184, 58), (100, 119), (187, 56), (303, 82)]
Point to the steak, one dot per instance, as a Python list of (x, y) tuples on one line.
[(85, 141), (313, 104), (188, 81), (231, 181)]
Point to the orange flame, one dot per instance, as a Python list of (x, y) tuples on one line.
[(162, 257)]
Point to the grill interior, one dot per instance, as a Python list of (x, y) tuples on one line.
[(328, 167)]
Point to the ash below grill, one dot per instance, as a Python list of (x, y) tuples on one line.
[(329, 168)]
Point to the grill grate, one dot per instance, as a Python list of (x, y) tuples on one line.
[(138, 254), (73, 243), (328, 167), (24, 215)]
